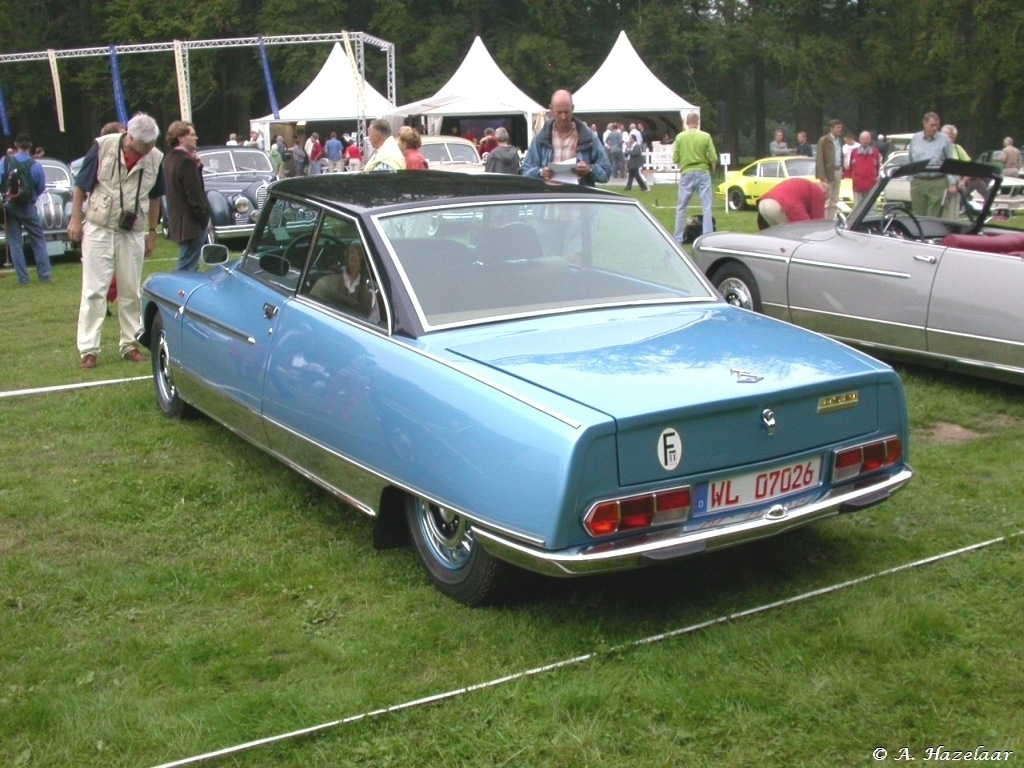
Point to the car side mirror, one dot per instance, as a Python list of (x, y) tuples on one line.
[(214, 253)]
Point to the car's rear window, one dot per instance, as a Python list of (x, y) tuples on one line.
[(472, 263)]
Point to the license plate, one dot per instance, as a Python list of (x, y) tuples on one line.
[(758, 487), (68, 246)]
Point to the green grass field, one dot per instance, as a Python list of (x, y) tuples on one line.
[(167, 591)]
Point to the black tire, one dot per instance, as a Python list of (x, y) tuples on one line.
[(453, 559), (167, 397), (736, 283), (737, 200)]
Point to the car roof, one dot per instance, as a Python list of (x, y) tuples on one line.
[(446, 140), (378, 190)]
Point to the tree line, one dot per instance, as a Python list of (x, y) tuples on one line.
[(751, 65)]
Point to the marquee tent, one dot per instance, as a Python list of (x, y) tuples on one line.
[(623, 85), (332, 95), (477, 89)]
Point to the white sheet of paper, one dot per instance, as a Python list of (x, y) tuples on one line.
[(564, 172)]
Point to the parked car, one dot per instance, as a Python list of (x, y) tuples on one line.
[(897, 191), (236, 179), (451, 153), (518, 375), (54, 206), (743, 188), (939, 292), (992, 157)]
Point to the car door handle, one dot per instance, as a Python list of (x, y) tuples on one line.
[(926, 258), (269, 311)]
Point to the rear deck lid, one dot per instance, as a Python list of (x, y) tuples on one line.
[(707, 373)]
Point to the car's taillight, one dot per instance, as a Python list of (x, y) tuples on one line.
[(863, 459), (638, 512)]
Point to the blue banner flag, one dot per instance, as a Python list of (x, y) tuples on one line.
[(270, 83), (115, 75), (4, 125)]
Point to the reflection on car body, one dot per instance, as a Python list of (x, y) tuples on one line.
[(942, 292), (543, 381)]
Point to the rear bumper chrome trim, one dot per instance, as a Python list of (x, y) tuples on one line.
[(661, 546)]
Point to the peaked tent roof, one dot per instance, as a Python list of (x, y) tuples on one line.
[(332, 95), (623, 83), (478, 87)]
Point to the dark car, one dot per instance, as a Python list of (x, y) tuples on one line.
[(54, 206), (236, 181)]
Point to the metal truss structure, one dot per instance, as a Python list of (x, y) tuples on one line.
[(354, 43)]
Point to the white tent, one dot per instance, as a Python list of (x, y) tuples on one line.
[(624, 85), (478, 88), (333, 95)]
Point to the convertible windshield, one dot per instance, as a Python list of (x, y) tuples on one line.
[(472, 263)]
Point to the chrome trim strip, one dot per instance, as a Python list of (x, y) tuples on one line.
[(233, 230), (974, 338), (872, 320), (370, 472), (745, 254), (847, 268), (639, 551)]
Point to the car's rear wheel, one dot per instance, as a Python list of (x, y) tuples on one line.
[(736, 283), (167, 396), (451, 555), (737, 200)]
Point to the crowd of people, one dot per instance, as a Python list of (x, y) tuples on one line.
[(117, 228)]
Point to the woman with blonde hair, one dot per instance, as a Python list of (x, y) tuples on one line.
[(410, 142)]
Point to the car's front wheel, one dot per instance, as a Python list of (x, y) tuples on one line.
[(167, 396), (451, 555), (737, 200), (736, 283)]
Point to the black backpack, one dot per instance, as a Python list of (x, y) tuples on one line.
[(17, 182)]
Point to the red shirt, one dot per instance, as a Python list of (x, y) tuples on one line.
[(864, 168), (800, 199)]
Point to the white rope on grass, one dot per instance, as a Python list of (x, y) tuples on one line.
[(67, 387), (589, 656)]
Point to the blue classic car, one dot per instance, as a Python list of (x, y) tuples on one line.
[(518, 375)]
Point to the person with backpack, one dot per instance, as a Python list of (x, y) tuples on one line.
[(22, 180)]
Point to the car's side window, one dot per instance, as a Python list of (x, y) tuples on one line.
[(281, 243), (340, 272)]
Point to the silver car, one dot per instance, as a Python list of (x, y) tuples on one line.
[(938, 291)]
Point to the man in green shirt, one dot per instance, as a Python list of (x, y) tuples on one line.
[(694, 153)]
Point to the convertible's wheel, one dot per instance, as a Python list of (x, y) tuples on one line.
[(735, 282), (167, 396), (737, 200), (454, 561)]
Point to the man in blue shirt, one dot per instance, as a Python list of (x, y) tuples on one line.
[(21, 216), (333, 149), (929, 190)]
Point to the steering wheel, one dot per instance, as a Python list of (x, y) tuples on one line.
[(891, 216), (302, 242)]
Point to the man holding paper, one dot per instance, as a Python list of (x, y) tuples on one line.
[(566, 149)]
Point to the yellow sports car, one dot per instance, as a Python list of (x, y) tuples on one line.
[(744, 187)]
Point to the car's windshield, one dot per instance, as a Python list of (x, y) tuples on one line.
[(232, 161), (472, 263), (57, 177)]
